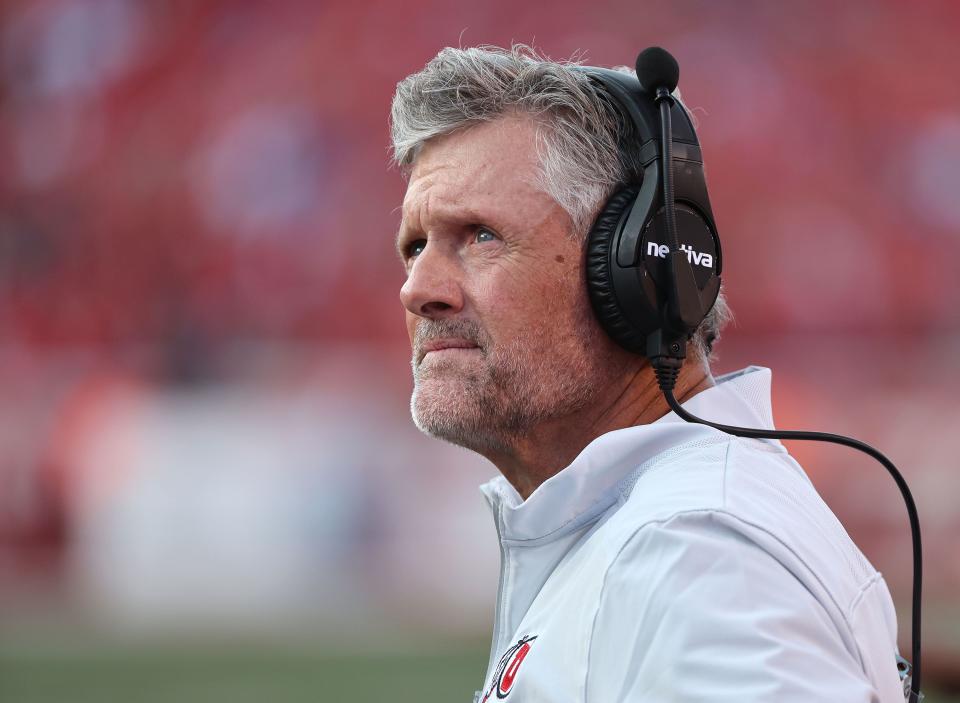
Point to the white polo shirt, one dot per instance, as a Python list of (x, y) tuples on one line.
[(673, 562)]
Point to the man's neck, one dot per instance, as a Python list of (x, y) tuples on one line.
[(551, 446)]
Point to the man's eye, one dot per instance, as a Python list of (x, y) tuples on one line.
[(485, 235), (416, 248)]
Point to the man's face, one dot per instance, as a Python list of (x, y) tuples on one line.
[(502, 333)]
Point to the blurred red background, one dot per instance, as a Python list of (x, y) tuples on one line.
[(201, 347)]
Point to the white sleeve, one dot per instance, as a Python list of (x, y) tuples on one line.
[(692, 610)]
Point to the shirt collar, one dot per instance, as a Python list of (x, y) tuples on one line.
[(591, 483)]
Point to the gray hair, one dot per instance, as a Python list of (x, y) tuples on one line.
[(584, 142)]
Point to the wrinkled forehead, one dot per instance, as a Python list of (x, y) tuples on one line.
[(486, 165)]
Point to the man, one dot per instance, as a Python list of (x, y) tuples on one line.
[(643, 558)]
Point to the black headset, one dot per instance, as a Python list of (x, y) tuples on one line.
[(653, 265), (658, 232)]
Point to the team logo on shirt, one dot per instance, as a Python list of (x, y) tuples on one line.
[(505, 675)]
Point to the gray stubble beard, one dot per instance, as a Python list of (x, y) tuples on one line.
[(513, 390)]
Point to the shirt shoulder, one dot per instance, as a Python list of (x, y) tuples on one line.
[(693, 610), (732, 532), (759, 491)]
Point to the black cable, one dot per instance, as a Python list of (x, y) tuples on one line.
[(855, 444)]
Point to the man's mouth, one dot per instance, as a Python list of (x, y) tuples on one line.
[(445, 344)]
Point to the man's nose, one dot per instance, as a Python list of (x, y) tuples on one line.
[(433, 287)]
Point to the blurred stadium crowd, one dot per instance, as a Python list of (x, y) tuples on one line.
[(202, 357)]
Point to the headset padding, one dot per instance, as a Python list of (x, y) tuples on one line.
[(608, 308)]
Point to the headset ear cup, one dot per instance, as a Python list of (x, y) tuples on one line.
[(600, 285)]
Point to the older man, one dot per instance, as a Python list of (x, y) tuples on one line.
[(643, 558)]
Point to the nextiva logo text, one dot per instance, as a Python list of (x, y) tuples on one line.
[(694, 257)]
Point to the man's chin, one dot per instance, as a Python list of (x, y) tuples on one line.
[(445, 411), (444, 386), (437, 403)]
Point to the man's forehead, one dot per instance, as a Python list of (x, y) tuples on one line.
[(491, 163)]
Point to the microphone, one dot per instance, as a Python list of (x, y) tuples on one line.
[(659, 73), (656, 68)]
